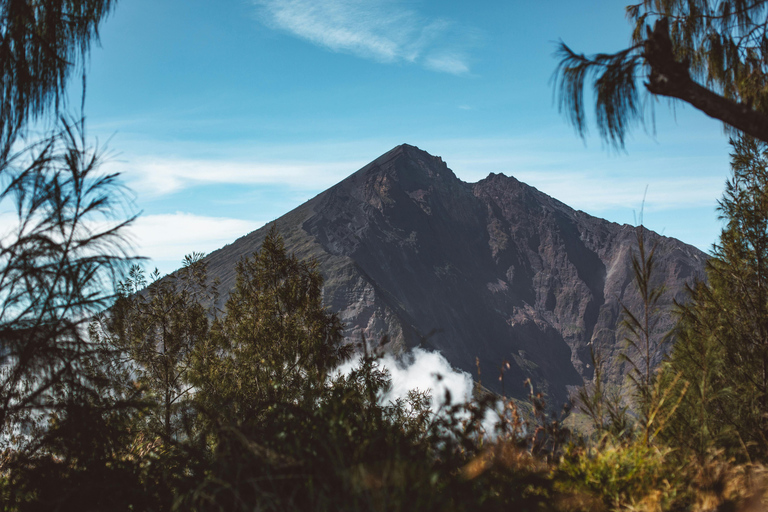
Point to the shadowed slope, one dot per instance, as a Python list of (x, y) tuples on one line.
[(494, 270)]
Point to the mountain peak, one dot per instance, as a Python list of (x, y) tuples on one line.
[(485, 273), (411, 165)]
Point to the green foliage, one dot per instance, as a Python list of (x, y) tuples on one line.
[(723, 349), (602, 402), (157, 330), (609, 411), (643, 351), (640, 327), (275, 345), (621, 474), (343, 452)]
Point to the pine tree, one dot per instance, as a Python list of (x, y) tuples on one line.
[(722, 350), (643, 343), (61, 256), (276, 343), (57, 266), (157, 329)]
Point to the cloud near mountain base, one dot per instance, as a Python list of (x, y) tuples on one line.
[(422, 370)]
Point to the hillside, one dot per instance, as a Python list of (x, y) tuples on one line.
[(491, 271)]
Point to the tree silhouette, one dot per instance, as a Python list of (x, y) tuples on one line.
[(41, 43), (57, 267), (66, 247), (708, 54)]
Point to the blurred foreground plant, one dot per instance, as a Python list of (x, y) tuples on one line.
[(58, 263)]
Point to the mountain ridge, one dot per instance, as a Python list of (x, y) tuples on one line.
[(491, 271)]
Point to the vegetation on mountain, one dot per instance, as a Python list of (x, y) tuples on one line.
[(271, 426)]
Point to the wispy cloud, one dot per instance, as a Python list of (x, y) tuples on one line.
[(682, 189), (382, 30), (592, 194), (454, 63), (595, 183), (151, 176), (169, 237), (581, 181)]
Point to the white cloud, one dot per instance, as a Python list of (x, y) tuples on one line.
[(583, 182), (164, 175), (169, 237), (586, 181), (424, 371), (592, 194), (448, 63), (382, 30), (609, 186)]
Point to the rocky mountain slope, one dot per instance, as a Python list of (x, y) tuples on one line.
[(484, 272)]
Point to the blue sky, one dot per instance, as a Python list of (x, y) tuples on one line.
[(224, 115)]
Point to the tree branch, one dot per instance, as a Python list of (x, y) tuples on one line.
[(671, 78)]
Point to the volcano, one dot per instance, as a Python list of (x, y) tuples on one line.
[(493, 274)]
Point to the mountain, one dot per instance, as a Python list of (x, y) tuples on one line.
[(484, 272)]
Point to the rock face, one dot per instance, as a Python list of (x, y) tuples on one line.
[(484, 272)]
